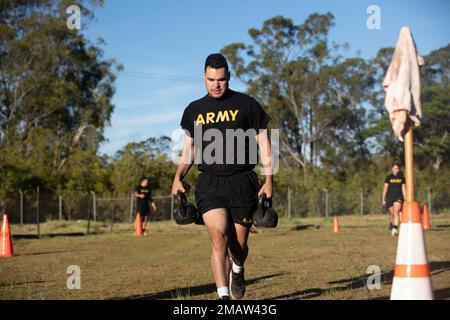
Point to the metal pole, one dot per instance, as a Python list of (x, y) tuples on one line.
[(21, 207), (89, 220), (326, 203), (171, 206), (60, 207), (112, 214), (131, 207), (3, 199), (289, 203), (429, 200), (94, 206), (409, 165), (37, 214), (362, 201)]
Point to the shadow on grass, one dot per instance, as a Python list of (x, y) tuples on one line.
[(436, 267), (357, 227), (440, 227), (441, 294), (187, 292), (42, 253), (303, 294), (24, 283), (50, 235), (303, 227), (349, 284)]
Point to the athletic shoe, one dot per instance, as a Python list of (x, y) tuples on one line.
[(224, 298), (237, 284), (145, 234), (394, 232)]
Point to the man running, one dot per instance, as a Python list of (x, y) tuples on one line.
[(143, 193), (393, 196), (227, 190)]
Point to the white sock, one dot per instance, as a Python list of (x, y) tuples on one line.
[(223, 291), (236, 268)]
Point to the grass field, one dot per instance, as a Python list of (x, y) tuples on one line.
[(301, 259)]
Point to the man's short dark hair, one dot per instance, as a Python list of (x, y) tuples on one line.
[(216, 61), (144, 178)]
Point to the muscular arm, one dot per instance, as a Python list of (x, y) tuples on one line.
[(265, 147), (185, 162)]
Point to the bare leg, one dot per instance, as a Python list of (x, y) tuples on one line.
[(217, 223), (238, 236), (238, 249), (391, 213), (144, 223), (396, 213)]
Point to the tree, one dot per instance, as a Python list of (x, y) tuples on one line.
[(146, 158), (314, 96), (55, 89), (433, 137)]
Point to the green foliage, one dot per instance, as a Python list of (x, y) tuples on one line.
[(147, 158), (55, 98), (55, 101), (315, 96)]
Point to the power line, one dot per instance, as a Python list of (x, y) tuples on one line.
[(159, 76), (164, 76)]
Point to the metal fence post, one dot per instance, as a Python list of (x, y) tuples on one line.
[(171, 206), (289, 203), (326, 203), (21, 207), (362, 201), (131, 207), (89, 219), (37, 214), (112, 214), (60, 207), (429, 199), (94, 206)]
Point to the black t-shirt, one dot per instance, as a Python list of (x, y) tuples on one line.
[(233, 110), (395, 185), (145, 191)]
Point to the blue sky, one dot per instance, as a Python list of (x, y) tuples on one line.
[(171, 37)]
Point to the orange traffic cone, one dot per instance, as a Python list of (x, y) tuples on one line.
[(336, 228), (138, 226), (412, 274), (425, 218), (5, 239)]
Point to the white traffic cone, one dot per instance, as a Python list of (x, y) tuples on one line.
[(412, 275)]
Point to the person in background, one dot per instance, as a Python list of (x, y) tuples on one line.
[(143, 193), (394, 192)]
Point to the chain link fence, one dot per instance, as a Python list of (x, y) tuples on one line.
[(330, 202), (35, 206)]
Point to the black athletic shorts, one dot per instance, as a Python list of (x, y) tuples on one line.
[(390, 199), (238, 194), (143, 209)]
